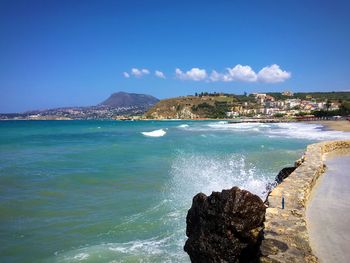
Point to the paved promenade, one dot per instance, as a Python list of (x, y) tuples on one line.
[(328, 212)]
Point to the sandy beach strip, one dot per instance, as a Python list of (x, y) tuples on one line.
[(328, 211), (337, 125)]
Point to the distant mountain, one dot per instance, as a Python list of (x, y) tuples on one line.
[(124, 99)]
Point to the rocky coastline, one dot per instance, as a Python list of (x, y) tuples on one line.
[(219, 231)]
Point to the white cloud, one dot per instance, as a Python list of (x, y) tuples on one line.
[(237, 73), (159, 74), (139, 72), (195, 74), (215, 76), (240, 73), (273, 74), (145, 71), (270, 74)]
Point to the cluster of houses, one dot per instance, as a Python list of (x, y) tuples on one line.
[(268, 105), (76, 113)]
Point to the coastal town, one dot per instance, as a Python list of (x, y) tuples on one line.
[(269, 106), (76, 113), (255, 105)]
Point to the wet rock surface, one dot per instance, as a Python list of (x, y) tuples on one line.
[(225, 227)]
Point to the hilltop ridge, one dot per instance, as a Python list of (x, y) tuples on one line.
[(124, 99)]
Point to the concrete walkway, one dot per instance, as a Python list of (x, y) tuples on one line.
[(328, 212)]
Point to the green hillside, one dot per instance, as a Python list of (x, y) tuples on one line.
[(195, 107)]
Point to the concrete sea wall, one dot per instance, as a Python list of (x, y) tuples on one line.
[(285, 231)]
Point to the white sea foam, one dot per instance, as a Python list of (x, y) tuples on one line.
[(287, 130), (192, 174), (306, 131), (81, 256), (236, 126), (148, 250), (183, 126), (155, 133)]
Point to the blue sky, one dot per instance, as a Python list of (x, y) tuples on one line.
[(75, 53)]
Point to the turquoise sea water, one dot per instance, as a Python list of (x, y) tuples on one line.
[(101, 191)]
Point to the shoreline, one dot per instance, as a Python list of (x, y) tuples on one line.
[(334, 125), (286, 235)]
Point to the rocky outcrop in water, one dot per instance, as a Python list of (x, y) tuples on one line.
[(225, 227)]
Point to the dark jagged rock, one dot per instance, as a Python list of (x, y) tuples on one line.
[(225, 227), (284, 173)]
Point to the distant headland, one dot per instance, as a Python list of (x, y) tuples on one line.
[(117, 104)]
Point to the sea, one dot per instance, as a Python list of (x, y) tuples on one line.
[(119, 191)]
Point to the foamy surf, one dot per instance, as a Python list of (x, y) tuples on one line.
[(287, 130), (183, 126), (192, 174), (306, 131), (155, 133), (151, 250), (221, 125)]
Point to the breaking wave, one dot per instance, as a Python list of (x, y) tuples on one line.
[(155, 133), (147, 251), (192, 173), (286, 130), (306, 131)]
